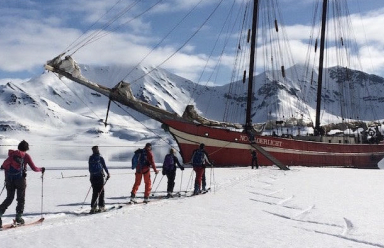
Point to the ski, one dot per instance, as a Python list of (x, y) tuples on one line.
[(167, 196), (201, 193), (16, 225), (97, 212), (152, 199)]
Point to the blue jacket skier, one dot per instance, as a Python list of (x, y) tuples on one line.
[(97, 167)]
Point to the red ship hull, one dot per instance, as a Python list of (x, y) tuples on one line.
[(233, 148)]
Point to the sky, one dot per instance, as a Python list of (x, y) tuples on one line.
[(34, 31)]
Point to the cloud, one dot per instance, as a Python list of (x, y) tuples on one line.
[(26, 44), (33, 33), (179, 5)]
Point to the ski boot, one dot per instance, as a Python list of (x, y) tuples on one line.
[(1, 222), (133, 199), (93, 210), (146, 199), (19, 220), (169, 195), (197, 190), (102, 209)]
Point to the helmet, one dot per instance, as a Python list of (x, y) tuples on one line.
[(148, 145), (202, 146)]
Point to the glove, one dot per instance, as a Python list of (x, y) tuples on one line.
[(163, 172), (43, 170), (181, 167), (108, 176), (157, 172)]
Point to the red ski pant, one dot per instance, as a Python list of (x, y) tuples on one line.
[(199, 176), (147, 182)]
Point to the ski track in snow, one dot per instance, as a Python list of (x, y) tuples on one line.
[(266, 195), (285, 200), (304, 213), (347, 229), (303, 221), (345, 237), (275, 192)]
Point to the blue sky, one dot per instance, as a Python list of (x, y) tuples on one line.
[(34, 31)]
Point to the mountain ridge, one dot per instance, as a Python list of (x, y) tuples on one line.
[(59, 104)]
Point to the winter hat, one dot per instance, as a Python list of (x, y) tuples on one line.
[(202, 146), (148, 145), (95, 149), (23, 146)]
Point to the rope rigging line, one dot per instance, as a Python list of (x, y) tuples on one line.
[(125, 23), (165, 37), (77, 96), (182, 46), (157, 135), (235, 112), (215, 70), (68, 48), (211, 54), (96, 35), (237, 65), (83, 42)]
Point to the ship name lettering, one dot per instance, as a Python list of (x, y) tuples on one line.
[(268, 142)]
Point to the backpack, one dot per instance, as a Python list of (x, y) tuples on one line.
[(136, 158), (198, 157), (95, 166), (14, 165), (139, 158), (169, 162)]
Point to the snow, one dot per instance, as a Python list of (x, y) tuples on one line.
[(303, 207)]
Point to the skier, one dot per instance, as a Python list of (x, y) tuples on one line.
[(97, 166), (15, 179), (254, 160), (169, 169), (143, 171), (199, 162)]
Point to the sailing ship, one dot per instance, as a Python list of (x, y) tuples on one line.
[(230, 144)]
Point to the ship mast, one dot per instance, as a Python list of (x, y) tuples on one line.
[(318, 130), (248, 120)]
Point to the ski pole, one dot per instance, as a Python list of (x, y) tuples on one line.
[(189, 181), (86, 197), (210, 176), (98, 195), (181, 181), (2, 189), (42, 193), (154, 180), (214, 180), (157, 185)]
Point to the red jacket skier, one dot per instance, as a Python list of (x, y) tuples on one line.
[(15, 178), (143, 171)]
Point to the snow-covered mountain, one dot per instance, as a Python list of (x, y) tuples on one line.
[(61, 110)]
